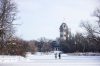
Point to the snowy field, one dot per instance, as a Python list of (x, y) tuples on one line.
[(49, 60)]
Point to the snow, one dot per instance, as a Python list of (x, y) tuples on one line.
[(48, 59)]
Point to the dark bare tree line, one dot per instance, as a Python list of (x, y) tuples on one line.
[(85, 42), (93, 32)]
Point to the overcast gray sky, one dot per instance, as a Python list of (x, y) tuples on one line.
[(42, 18)]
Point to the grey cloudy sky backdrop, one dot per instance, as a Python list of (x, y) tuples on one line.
[(42, 18)]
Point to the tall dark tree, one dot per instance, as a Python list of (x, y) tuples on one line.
[(7, 16), (93, 33)]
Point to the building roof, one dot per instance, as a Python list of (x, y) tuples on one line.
[(63, 26)]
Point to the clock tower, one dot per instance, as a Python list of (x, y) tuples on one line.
[(63, 32)]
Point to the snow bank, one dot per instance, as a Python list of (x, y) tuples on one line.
[(8, 58)]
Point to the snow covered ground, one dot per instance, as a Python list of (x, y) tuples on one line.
[(49, 60)]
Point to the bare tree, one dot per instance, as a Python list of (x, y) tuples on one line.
[(97, 14), (89, 28), (7, 16), (44, 45), (32, 46), (93, 32)]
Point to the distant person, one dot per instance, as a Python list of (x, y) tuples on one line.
[(55, 55), (59, 55)]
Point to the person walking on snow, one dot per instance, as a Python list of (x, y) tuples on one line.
[(55, 55), (59, 55)]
